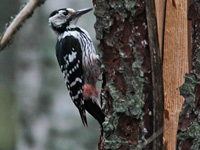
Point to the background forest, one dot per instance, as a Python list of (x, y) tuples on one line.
[(36, 112)]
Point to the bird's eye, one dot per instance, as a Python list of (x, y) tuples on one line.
[(65, 13)]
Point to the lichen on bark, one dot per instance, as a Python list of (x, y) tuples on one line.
[(122, 31), (189, 123)]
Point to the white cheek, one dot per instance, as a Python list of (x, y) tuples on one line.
[(57, 20)]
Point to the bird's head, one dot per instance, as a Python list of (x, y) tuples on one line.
[(60, 19)]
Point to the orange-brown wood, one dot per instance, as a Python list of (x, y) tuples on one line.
[(160, 13), (175, 65)]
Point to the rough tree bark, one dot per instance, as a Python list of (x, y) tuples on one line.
[(121, 27), (189, 124)]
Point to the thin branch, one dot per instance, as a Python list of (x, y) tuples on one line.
[(159, 132), (21, 17)]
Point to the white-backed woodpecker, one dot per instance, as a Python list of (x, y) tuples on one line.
[(78, 61)]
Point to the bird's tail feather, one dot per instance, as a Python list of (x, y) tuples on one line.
[(83, 116), (93, 108)]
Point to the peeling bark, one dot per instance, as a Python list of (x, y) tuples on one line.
[(157, 81)]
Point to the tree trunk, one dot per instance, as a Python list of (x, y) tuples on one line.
[(122, 30)]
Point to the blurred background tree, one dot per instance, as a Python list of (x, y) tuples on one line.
[(36, 112)]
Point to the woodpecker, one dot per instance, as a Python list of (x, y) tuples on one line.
[(78, 61)]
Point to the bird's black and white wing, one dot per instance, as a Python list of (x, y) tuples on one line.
[(69, 56)]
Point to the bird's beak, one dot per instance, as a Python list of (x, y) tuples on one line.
[(79, 13)]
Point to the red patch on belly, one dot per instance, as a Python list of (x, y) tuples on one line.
[(89, 91)]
